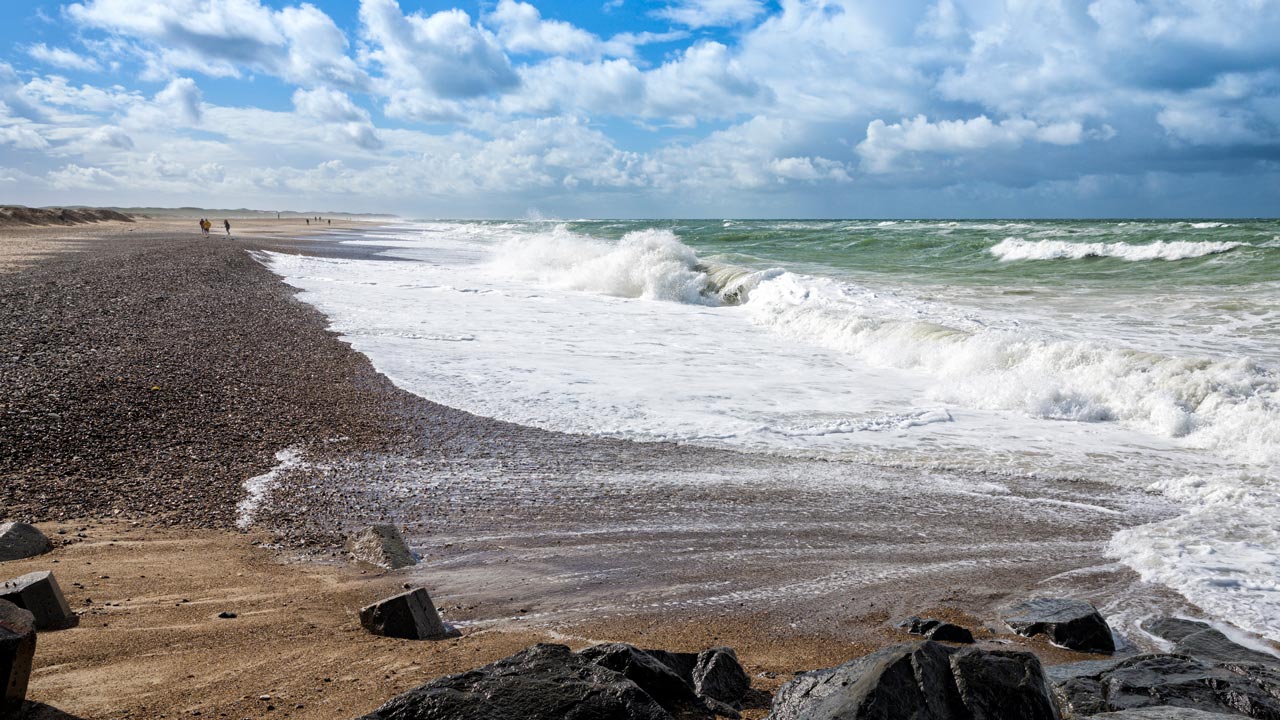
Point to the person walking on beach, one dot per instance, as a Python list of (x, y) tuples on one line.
[(227, 224)]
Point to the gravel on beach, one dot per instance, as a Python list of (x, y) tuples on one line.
[(149, 374)]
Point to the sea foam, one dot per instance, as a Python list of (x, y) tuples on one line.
[(1015, 248)]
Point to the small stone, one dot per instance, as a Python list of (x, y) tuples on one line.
[(226, 615)]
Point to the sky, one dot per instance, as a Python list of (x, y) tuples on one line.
[(666, 108)]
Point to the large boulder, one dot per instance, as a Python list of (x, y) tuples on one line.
[(20, 540), (381, 545), (937, 630), (1153, 681), (544, 682), (17, 649), (661, 682), (38, 593), (410, 616), (1203, 641), (921, 681), (1072, 624)]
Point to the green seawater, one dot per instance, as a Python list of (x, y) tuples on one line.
[(930, 252)]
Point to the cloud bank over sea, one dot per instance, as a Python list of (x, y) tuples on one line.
[(625, 108)]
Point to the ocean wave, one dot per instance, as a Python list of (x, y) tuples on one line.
[(645, 264), (1227, 406), (1014, 248), (1230, 406)]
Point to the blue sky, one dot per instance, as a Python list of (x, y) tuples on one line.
[(690, 108)]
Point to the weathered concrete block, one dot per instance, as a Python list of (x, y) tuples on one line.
[(20, 540), (17, 649), (38, 592), (410, 615), (381, 545)]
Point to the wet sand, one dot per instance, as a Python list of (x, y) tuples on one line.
[(156, 371)]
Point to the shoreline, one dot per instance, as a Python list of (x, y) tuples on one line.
[(574, 522)]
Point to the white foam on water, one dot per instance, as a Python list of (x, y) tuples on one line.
[(258, 487), (641, 338), (1221, 553), (1015, 248)]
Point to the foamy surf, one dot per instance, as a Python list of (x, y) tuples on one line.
[(820, 347), (258, 488), (1014, 248)]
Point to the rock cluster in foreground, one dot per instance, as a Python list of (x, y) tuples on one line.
[(1209, 677), (604, 682)]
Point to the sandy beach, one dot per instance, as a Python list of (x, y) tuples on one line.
[(154, 371)]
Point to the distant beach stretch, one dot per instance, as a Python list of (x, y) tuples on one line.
[(673, 434)]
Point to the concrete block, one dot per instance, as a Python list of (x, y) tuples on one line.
[(38, 592), (410, 615)]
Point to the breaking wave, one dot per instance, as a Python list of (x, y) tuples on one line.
[(1014, 248), (1228, 406), (644, 264)]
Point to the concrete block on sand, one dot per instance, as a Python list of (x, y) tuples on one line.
[(410, 615), (17, 649), (38, 593), (381, 545), (20, 540)]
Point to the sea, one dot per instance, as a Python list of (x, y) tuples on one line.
[(1139, 353)]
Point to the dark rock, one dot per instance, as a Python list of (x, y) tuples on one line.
[(17, 649), (907, 681), (1002, 684), (381, 545), (1073, 624), (1080, 696), (719, 675), (544, 682), (227, 615), (1266, 676), (1164, 713), (921, 681), (1174, 629), (38, 592), (937, 630), (680, 663), (662, 683), (409, 615), (1084, 668), (1174, 680), (1213, 645), (20, 540), (1201, 640)]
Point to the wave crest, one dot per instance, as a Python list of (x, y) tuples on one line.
[(1014, 248)]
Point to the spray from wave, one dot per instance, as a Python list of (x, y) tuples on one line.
[(644, 264), (1014, 248)]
